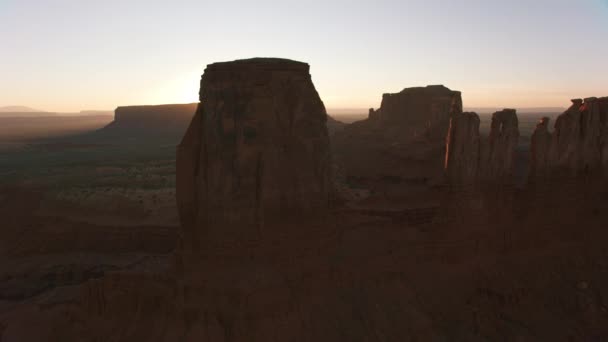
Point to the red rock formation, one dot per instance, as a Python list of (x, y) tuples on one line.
[(579, 144), (462, 150), (258, 147), (420, 109), (563, 154), (539, 150), (471, 160), (498, 152), (256, 152), (400, 148)]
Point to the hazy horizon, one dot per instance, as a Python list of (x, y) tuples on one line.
[(334, 111), (68, 56)]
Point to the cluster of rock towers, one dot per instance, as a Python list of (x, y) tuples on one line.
[(257, 152), (254, 180), (578, 146)]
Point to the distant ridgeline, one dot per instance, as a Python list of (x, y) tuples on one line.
[(147, 122)]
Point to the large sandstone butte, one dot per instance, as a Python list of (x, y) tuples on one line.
[(419, 110), (256, 153), (577, 147), (399, 149)]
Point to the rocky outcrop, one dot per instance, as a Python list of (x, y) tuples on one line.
[(498, 152), (577, 147), (400, 148), (417, 104), (420, 109), (463, 148), (256, 152), (473, 160), (540, 144)]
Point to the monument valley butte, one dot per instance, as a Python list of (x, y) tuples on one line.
[(271, 220), (303, 171)]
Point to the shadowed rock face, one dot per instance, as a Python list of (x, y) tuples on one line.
[(256, 152), (400, 148), (160, 114), (411, 103), (462, 151), (154, 119), (539, 150), (498, 154), (425, 109), (565, 145), (579, 144), (471, 159)]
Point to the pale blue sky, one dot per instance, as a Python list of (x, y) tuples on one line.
[(81, 54)]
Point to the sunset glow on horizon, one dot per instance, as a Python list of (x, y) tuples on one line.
[(78, 55)]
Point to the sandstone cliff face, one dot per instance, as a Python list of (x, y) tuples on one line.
[(421, 110), (473, 160), (579, 144), (257, 151), (565, 143), (463, 148), (400, 149), (539, 150), (498, 153)]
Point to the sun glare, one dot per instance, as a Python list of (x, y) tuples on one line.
[(181, 89)]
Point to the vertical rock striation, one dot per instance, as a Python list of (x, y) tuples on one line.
[(256, 152), (471, 160), (498, 152), (462, 148)]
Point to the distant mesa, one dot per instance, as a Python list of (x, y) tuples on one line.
[(19, 109), (22, 112), (28, 112), (95, 112), (418, 106), (150, 122), (520, 110)]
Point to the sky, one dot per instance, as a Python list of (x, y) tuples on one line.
[(60, 55)]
